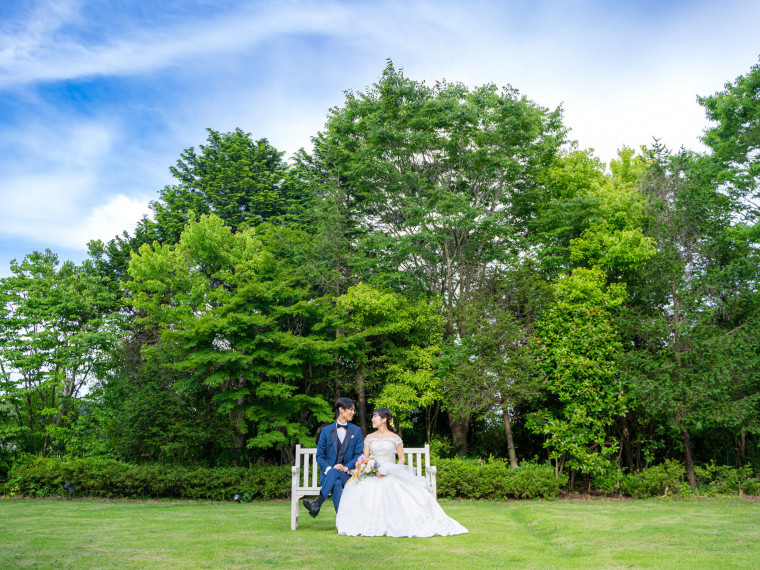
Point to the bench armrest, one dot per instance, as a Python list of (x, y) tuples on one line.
[(295, 476)]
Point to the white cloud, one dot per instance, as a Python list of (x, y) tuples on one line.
[(107, 220), (35, 204), (61, 224)]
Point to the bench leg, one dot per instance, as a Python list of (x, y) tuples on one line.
[(294, 512)]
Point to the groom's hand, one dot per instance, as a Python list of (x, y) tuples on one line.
[(340, 467)]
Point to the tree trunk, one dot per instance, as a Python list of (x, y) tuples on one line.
[(287, 455), (68, 391), (460, 425), (431, 415), (741, 449), (45, 439), (627, 445), (237, 418), (361, 402), (690, 476), (510, 439)]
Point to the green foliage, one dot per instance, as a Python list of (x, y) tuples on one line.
[(496, 480), (94, 477), (576, 346), (689, 364), (235, 318), (590, 219), (443, 181), (666, 478), (735, 139), (726, 480), (57, 326), (568, 205), (388, 345), (233, 177), (143, 417)]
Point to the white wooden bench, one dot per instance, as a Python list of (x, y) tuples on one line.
[(305, 475)]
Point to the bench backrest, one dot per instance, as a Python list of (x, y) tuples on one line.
[(306, 461), (418, 458)]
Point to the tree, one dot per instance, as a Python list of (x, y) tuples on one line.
[(244, 182), (141, 416), (236, 319), (58, 326), (567, 207), (444, 180), (735, 139), (388, 345), (577, 348), (687, 361), (492, 368), (233, 177)]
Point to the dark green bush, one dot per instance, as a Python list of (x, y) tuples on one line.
[(94, 477), (725, 480), (668, 477), (496, 480), (457, 478), (608, 481)]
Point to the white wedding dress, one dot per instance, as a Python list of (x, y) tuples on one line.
[(399, 504)]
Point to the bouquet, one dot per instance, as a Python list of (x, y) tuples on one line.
[(365, 467)]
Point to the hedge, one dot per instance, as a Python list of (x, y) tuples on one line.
[(457, 478), (669, 478), (94, 477), (496, 480)]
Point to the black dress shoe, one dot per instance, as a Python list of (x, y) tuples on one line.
[(311, 506)]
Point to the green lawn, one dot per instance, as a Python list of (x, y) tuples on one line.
[(697, 533)]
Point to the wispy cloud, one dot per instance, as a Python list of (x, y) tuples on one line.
[(49, 48)]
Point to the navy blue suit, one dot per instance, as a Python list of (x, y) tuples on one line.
[(328, 450)]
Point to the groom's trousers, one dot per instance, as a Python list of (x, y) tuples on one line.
[(332, 483)]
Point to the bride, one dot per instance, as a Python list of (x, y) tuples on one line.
[(396, 502)]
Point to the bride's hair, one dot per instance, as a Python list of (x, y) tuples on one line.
[(386, 413)]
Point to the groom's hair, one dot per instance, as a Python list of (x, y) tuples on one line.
[(345, 403)]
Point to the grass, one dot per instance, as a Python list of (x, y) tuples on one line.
[(696, 533)]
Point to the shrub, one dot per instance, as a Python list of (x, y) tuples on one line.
[(457, 478), (668, 478), (656, 480), (607, 481), (95, 477), (496, 480), (723, 480)]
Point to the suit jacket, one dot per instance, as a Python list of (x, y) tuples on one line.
[(329, 444)]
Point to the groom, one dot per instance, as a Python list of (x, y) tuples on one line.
[(340, 444)]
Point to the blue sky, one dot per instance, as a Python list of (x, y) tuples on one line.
[(98, 98)]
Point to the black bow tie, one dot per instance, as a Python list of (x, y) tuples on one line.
[(343, 426)]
